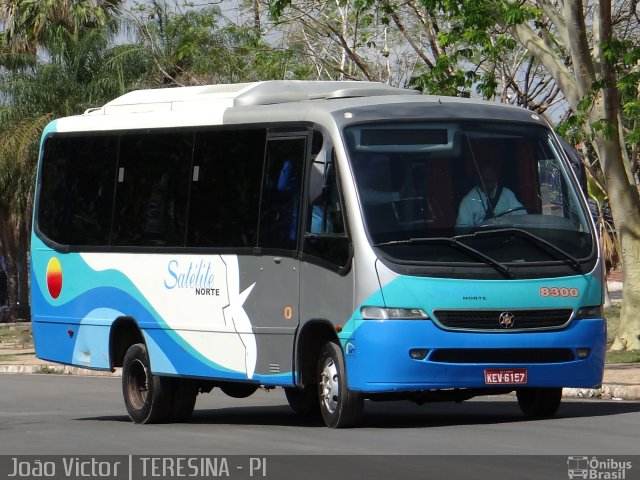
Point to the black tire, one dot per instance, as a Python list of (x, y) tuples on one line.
[(183, 401), (340, 407), (539, 402), (303, 401), (148, 397)]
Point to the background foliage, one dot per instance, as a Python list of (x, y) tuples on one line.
[(575, 61)]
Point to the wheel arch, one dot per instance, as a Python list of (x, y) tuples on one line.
[(312, 336), (124, 333)]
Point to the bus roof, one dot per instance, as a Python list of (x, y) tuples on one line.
[(275, 100), (247, 94)]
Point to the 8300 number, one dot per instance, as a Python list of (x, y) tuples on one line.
[(559, 292)]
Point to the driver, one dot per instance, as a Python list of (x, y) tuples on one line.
[(487, 200)]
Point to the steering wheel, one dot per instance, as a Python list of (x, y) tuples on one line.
[(507, 212)]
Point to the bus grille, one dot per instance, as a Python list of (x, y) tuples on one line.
[(502, 355), (502, 320)]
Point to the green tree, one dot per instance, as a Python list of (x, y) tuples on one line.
[(412, 43), (585, 49), (80, 71), (535, 53), (29, 25), (200, 46), (345, 39)]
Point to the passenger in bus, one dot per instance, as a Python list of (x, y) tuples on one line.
[(159, 212), (324, 201), (487, 199), (288, 184)]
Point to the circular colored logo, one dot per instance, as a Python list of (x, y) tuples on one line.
[(54, 277)]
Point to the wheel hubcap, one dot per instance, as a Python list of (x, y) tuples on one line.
[(329, 385), (137, 384)]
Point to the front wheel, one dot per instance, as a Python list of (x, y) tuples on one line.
[(339, 406), (539, 402), (303, 401), (148, 397)]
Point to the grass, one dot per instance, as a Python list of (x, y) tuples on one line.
[(6, 333), (612, 314), (624, 357), (20, 335), (46, 370), (8, 358)]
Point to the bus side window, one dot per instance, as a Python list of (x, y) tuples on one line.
[(325, 211), (152, 190), (280, 208), (76, 196), (326, 238), (225, 188)]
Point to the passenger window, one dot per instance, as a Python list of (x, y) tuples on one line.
[(281, 188), (325, 211), (76, 196), (325, 237), (152, 189), (225, 188)]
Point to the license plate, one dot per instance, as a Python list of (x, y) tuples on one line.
[(510, 376)]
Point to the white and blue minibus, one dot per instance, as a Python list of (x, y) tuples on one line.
[(346, 241)]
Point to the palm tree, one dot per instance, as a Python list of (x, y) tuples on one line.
[(29, 25), (82, 69), (57, 58)]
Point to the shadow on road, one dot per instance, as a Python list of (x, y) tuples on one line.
[(403, 415), (386, 415)]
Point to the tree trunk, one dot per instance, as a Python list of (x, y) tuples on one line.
[(625, 208), (628, 335), (16, 247), (22, 305), (623, 194), (12, 288)]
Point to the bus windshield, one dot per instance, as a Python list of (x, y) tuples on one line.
[(458, 192)]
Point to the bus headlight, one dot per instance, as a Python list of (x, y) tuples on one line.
[(383, 313), (583, 353), (418, 353), (590, 312)]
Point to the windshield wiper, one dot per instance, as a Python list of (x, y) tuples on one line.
[(453, 242), (539, 242)]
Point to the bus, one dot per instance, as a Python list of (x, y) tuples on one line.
[(346, 241)]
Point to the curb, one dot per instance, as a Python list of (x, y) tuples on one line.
[(606, 392), (45, 369)]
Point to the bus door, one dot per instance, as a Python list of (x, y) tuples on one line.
[(275, 297), (326, 276)]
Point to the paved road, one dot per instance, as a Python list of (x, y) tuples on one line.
[(73, 415)]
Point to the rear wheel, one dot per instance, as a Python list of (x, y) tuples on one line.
[(183, 399), (148, 397), (339, 406), (539, 402), (303, 401)]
